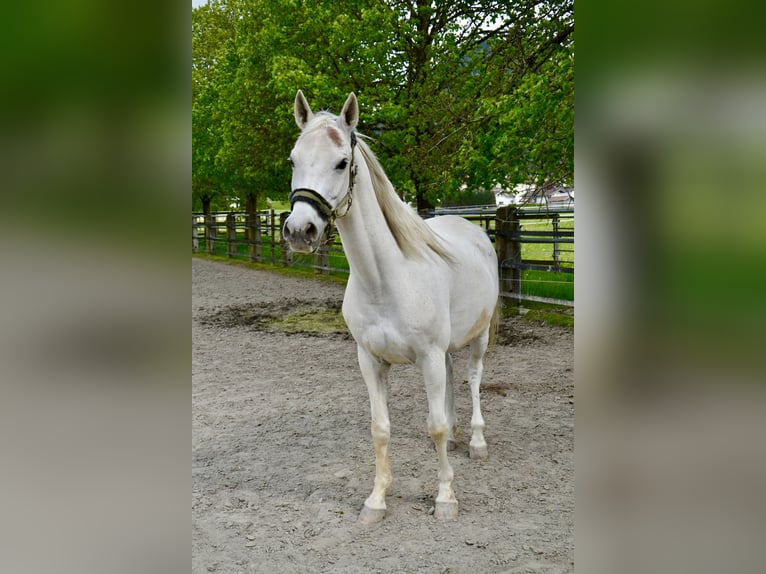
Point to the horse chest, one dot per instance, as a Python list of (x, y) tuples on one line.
[(386, 337)]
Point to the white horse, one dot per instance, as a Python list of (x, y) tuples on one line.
[(417, 291)]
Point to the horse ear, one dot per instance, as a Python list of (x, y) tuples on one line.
[(303, 113), (350, 112)]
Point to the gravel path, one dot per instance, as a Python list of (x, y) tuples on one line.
[(283, 460)]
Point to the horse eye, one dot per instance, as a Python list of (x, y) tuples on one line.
[(342, 164)]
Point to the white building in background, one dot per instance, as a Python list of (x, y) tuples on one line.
[(557, 196)]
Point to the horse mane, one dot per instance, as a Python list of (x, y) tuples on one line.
[(410, 232)]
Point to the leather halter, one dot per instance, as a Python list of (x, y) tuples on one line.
[(318, 202)]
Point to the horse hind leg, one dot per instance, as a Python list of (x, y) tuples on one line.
[(375, 373), (449, 405), (477, 448)]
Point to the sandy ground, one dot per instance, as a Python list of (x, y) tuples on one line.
[(283, 460)]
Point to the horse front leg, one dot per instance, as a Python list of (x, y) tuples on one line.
[(375, 373), (434, 372)]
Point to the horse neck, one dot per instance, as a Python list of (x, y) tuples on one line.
[(370, 247)]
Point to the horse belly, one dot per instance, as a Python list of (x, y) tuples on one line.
[(462, 336)]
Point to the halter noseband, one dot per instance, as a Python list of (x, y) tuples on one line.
[(322, 206)]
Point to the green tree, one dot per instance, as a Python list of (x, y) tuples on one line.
[(212, 33), (454, 94), (525, 117)]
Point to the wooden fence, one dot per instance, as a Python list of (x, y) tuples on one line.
[(534, 246), (519, 226), (259, 238)]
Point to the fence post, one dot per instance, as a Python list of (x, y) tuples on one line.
[(195, 235), (514, 253), (250, 233), (319, 259), (258, 239), (556, 255), (210, 231), (322, 256), (231, 235), (287, 256), (253, 223), (501, 242), (273, 225), (508, 248)]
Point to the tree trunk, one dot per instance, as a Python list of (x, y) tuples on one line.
[(206, 205), (423, 205)]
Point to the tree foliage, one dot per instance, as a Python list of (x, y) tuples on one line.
[(457, 95)]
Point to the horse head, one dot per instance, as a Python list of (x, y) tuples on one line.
[(322, 161)]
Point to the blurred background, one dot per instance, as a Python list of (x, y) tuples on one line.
[(671, 251), (670, 150), (95, 156)]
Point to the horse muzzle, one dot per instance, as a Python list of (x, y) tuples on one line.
[(303, 232)]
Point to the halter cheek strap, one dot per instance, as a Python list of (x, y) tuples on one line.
[(322, 206)]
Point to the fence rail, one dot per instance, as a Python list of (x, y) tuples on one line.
[(512, 233), (258, 237), (528, 270)]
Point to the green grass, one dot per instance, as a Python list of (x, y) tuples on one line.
[(550, 317), (280, 206), (271, 252), (545, 250), (322, 321), (536, 312), (545, 284), (337, 260)]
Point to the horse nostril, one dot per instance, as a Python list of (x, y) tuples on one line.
[(286, 231), (311, 232)]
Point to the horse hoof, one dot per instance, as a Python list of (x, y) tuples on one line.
[(371, 515), (478, 452), (446, 510)]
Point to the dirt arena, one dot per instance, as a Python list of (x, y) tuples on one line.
[(282, 457)]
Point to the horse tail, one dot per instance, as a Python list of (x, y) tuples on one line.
[(494, 327)]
